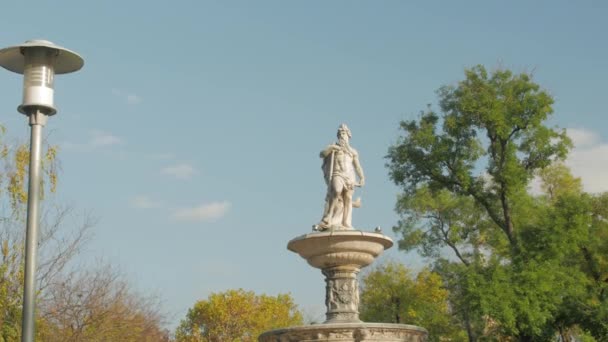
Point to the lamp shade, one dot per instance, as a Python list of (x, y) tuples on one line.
[(13, 59), (39, 61)]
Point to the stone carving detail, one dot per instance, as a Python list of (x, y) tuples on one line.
[(340, 169), (342, 294), (359, 333)]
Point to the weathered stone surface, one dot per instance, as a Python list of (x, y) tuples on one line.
[(347, 332), (340, 169), (340, 248), (340, 255), (341, 294)]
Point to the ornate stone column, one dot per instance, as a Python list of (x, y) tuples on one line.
[(341, 294), (340, 255)]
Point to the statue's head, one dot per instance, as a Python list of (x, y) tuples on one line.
[(343, 129)]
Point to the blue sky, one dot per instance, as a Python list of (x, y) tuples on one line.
[(193, 130)]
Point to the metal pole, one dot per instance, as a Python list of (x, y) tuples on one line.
[(37, 120)]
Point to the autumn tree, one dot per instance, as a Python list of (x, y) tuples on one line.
[(237, 315), (390, 293), (73, 304), (517, 260), (14, 159), (99, 305)]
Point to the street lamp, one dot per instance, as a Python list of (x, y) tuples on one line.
[(38, 61)]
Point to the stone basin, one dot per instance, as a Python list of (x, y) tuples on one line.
[(340, 248), (340, 255), (347, 332)]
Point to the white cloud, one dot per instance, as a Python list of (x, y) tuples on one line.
[(68, 145), (582, 137), (144, 202), (96, 139), (179, 171), (534, 187), (204, 212), (130, 98), (133, 99), (589, 159)]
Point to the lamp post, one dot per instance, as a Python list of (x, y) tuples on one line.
[(38, 61)]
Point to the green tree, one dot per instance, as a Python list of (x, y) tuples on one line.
[(464, 173), (237, 315), (592, 308), (391, 294)]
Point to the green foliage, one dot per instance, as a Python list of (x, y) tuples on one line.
[(391, 294), (434, 220), (11, 280), (523, 266), (13, 200), (558, 181), (13, 182), (237, 315), (496, 120)]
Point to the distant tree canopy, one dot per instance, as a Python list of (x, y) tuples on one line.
[(523, 266), (390, 293), (237, 315)]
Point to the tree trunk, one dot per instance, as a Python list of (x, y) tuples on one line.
[(524, 338), (397, 302), (470, 332)]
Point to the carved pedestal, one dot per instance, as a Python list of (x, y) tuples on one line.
[(340, 255), (341, 294)]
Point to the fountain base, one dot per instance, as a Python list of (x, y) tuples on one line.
[(347, 332)]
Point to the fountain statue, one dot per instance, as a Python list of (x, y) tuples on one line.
[(340, 251)]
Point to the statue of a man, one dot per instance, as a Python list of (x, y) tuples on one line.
[(341, 168)]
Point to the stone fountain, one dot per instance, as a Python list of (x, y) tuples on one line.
[(340, 251)]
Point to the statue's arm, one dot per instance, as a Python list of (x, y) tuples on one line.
[(328, 150), (358, 169)]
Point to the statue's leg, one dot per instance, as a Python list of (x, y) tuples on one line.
[(347, 216), (325, 209), (336, 215), (337, 187)]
